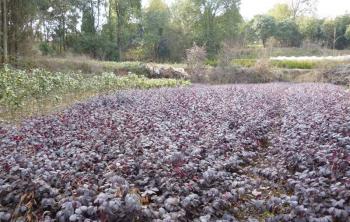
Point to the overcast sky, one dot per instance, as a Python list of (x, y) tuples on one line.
[(326, 8)]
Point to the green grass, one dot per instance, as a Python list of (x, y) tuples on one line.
[(245, 62), (287, 64), (211, 62), (294, 64)]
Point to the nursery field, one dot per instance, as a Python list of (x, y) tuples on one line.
[(267, 152)]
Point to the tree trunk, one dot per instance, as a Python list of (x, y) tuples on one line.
[(15, 29), (119, 40), (110, 28), (1, 29), (98, 14), (119, 33), (5, 33), (64, 34)]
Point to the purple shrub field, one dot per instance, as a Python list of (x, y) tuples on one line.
[(269, 152)]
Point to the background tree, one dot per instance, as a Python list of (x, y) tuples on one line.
[(347, 33), (288, 34), (264, 26), (328, 28), (311, 29), (213, 12), (183, 31), (126, 11), (341, 25), (4, 26), (281, 12), (302, 7), (156, 23), (88, 19), (120, 29)]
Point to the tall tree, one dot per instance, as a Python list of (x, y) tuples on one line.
[(264, 27), (311, 29), (156, 22), (302, 7), (5, 30), (211, 11), (184, 27), (88, 19), (185, 15), (288, 34), (126, 10), (281, 12)]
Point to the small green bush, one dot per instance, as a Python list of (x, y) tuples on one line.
[(46, 49)]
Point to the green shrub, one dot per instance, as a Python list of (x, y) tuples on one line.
[(211, 62), (46, 49)]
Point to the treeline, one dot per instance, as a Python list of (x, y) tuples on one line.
[(116, 29), (120, 30), (286, 26)]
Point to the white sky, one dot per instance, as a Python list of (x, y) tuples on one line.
[(326, 8)]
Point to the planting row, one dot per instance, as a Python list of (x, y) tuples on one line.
[(18, 88)]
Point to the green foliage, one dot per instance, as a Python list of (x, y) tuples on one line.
[(217, 21), (294, 64), (96, 46), (347, 33), (127, 14), (18, 87), (46, 49), (212, 62), (284, 64), (156, 23), (115, 30), (342, 23), (288, 34), (264, 27), (88, 21), (311, 29), (337, 26), (328, 28), (244, 62), (281, 12)]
